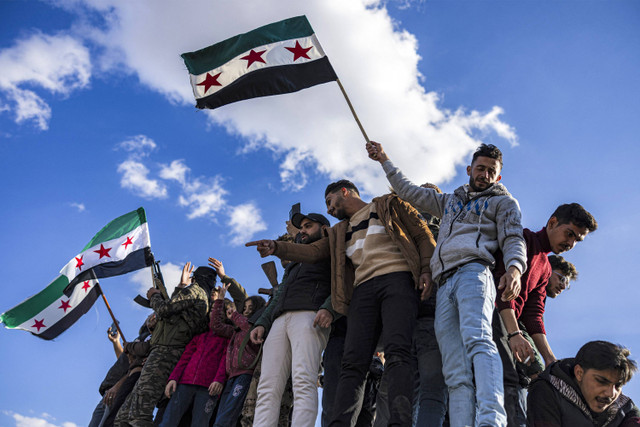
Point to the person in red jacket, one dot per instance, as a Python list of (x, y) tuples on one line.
[(241, 354), (568, 225), (198, 378)]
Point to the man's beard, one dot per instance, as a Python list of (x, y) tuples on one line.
[(310, 238), (476, 189)]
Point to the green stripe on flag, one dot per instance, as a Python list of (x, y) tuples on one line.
[(34, 305), (211, 57), (118, 227)]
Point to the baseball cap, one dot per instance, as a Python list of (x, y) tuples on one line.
[(297, 218)]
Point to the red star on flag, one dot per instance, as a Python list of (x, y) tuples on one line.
[(210, 81), (86, 286), (128, 242), (103, 252), (254, 57), (39, 324), (65, 305), (79, 263), (299, 51)]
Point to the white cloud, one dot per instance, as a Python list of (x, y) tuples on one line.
[(312, 130), (202, 197), (139, 145), (59, 64), (245, 220), (171, 273), (80, 206), (135, 177), (176, 171), (46, 421)]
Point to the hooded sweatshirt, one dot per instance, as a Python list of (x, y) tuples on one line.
[(474, 225)]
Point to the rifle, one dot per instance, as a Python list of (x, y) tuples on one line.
[(269, 269), (158, 283)]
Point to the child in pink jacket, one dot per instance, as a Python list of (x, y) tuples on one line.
[(198, 377), (241, 355)]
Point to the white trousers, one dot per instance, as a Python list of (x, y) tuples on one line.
[(293, 347)]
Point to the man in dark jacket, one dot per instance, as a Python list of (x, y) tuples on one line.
[(297, 320), (585, 390)]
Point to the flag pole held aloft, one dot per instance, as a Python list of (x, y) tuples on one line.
[(115, 322)]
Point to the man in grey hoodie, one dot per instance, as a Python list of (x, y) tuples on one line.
[(476, 220)]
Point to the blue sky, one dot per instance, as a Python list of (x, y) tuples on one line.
[(97, 118)]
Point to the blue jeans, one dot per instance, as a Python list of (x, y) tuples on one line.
[(432, 393), (203, 406), (232, 400), (464, 310), (98, 414)]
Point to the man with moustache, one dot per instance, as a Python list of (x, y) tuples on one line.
[(297, 321), (585, 390), (476, 220)]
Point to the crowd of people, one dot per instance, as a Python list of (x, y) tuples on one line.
[(417, 308)]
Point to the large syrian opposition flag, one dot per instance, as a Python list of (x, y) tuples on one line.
[(49, 313), (278, 58), (120, 247)]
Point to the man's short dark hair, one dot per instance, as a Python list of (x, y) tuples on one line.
[(568, 270), (603, 355), (488, 150), (576, 214), (343, 183)]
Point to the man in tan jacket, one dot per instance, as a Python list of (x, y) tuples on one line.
[(380, 254)]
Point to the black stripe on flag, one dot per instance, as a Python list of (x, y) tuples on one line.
[(72, 317), (134, 261), (272, 81)]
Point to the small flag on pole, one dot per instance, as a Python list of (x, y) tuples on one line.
[(278, 58), (50, 312), (120, 247)]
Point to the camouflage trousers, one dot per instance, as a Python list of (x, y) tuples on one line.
[(137, 410)]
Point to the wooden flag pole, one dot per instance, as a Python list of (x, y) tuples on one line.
[(355, 116), (115, 322)]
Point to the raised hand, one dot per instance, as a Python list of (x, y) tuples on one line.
[(217, 265), (185, 280), (375, 152)]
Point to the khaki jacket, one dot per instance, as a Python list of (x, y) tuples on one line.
[(402, 222)]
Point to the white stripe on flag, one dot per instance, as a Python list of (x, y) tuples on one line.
[(55, 312), (275, 55), (119, 250)]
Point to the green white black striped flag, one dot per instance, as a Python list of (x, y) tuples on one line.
[(120, 247), (278, 58)]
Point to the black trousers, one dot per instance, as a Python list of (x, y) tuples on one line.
[(386, 304)]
